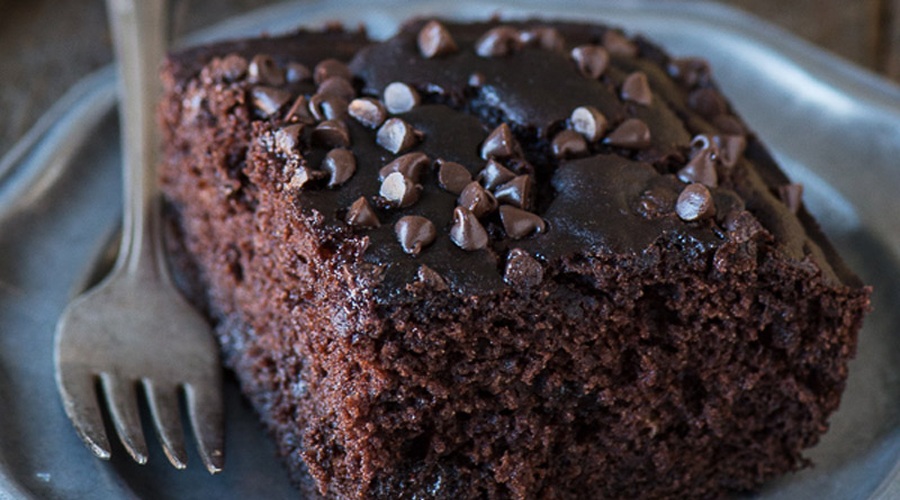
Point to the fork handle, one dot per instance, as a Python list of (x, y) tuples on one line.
[(138, 28)]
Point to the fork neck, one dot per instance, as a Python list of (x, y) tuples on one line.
[(138, 29)]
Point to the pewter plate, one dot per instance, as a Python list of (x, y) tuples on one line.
[(834, 127)]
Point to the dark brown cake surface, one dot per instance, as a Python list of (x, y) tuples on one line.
[(529, 260)]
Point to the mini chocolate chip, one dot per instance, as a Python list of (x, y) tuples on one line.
[(340, 165), (731, 148), (695, 203), (399, 190), (500, 143), (362, 215), (707, 102), (690, 71), (299, 112), (303, 175), (518, 192), (592, 60), (410, 165), (569, 144), (332, 134), (791, 195), (618, 44), (414, 232), (633, 133), (743, 226), (400, 98), (295, 72), (499, 41), (327, 107), (466, 231), (544, 37), (367, 111), (701, 168), (396, 135), (494, 174), (269, 100), (434, 40), (430, 278), (233, 67), (637, 89), (337, 86), (589, 122), (476, 79), (262, 69), (331, 67), (287, 138), (522, 269), (452, 176), (520, 223), (477, 199)]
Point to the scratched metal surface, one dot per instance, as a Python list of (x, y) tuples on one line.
[(833, 126)]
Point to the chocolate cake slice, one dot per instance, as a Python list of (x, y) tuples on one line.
[(502, 260)]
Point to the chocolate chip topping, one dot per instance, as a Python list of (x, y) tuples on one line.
[(618, 44), (690, 71), (303, 175), (731, 148), (399, 190), (589, 122), (499, 41), (544, 37), (331, 134), (396, 135), (430, 278), (477, 200), (633, 133), (233, 67), (569, 144), (367, 111), (592, 60), (500, 143), (411, 165), (400, 98), (707, 102), (299, 111), (519, 223), (295, 72), (262, 69), (327, 107), (791, 195), (466, 231), (701, 168), (637, 89), (434, 40), (362, 215), (518, 192), (414, 232), (695, 203), (337, 86), (522, 270), (452, 176), (340, 165), (494, 174), (329, 68), (269, 100), (286, 138)]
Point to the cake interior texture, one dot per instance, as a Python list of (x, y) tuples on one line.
[(502, 260)]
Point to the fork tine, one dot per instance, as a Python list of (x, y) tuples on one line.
[(205, 409), (121, 398), (79, 395), (163, 402)]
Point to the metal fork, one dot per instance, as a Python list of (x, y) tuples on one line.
[(134, 329)]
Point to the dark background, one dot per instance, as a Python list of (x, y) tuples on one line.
[(47, 45)]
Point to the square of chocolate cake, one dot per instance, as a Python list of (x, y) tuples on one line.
[(502, 260)]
